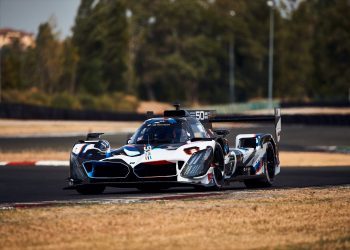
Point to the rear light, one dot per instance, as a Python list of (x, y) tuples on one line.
[(191, 150)]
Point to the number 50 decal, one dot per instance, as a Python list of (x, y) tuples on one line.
[(202, 115)]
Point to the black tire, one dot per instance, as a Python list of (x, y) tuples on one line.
[(91, 190), (269, 168), (218, 177)]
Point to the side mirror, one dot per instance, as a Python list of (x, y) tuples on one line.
[(128, 140)]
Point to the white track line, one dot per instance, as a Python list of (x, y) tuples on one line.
[(51, 163)]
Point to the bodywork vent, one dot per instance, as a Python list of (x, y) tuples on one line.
[(102, 169)]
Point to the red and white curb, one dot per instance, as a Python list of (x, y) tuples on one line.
[(51, 163)]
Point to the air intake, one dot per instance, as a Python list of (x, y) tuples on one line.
[(101, 169)]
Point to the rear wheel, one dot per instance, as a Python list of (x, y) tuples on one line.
[(269, 170), (91, 189)]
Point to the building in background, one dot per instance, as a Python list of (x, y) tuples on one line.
[(9, 36)]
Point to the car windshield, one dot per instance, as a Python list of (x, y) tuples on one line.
[(197, 129), (161, 131)]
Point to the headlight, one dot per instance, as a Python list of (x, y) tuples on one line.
[(198, 164), (191, 150)]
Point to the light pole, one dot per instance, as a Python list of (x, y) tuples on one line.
[(130, 69), (232, 65), (271, 4), (0, 73)]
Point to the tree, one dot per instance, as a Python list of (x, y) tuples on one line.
[(49, 65), (11, 66), (100, 37), (294, 60), (69, 67), (331, 49), (178, 53)]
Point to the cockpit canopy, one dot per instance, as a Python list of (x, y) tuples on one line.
[(169, 130)]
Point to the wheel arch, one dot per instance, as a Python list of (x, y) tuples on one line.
[(269, 138), (224, 145)]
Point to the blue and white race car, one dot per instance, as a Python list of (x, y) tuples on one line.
[(177, 149)]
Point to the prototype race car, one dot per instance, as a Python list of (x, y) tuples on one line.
[(178, 149)]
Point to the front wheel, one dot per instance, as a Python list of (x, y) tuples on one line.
[(91, 190), (218, 164)]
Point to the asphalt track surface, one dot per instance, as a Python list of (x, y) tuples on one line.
[(294, 137), (35, 184)]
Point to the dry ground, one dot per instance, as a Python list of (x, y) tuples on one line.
[(18, 128), (304, 111), (156, 107), (25, 128), (314, 159), (310, 218), (288, 159), (34, 155)]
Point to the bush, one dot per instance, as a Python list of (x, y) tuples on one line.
[(65, 101), (127, 103), (14, 96), (87, 101), (115, 102), (36, 97), (104, 103), (31, 96)]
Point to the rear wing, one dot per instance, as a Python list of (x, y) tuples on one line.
[(207, 117)]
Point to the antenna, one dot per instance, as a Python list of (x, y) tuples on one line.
[(177, 106)]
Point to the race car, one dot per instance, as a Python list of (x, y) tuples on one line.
[(179, 148)]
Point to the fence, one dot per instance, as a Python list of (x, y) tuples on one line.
[(22, 111)]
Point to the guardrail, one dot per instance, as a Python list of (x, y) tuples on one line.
[(23, 111)]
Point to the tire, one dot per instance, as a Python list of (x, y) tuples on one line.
[(91, 190), (269, 170), (219, 165)]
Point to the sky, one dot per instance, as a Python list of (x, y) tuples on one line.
[(27, 15)]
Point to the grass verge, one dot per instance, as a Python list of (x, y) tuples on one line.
[(314, 159), (310, 218)]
